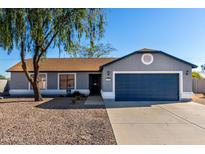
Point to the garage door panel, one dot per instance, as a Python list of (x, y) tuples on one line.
[(133, 87)]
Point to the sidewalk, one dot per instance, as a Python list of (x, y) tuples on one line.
[(94, 100)]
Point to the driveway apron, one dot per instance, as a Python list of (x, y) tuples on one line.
[(157, 122)]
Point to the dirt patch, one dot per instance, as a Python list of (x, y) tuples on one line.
[(199, 98), (23, 121)]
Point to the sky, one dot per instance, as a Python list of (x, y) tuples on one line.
[(179, 32)]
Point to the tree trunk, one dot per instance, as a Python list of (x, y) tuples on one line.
[(36, 90), (34, 83), (37, 93)]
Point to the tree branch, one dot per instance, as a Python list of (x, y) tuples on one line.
[(47, 35), (65, 18), (35, 62), (43, 50)]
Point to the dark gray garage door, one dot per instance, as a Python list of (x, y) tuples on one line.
[(146, 87)]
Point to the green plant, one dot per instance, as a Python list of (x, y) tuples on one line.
[(73, 101), (99, 50), (77, 95), (196, 75)]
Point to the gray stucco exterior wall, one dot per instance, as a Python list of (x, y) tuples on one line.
[(82, 79), (160, 63), (19, 80)]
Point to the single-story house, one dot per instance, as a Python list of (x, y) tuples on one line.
[(144, 75)]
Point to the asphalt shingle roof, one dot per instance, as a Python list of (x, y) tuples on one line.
[(64, 64)]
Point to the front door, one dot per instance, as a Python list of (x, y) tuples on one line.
[(95, 83)]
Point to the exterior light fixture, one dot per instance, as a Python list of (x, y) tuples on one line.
[(187, 72), (108, 73), (108, 78)]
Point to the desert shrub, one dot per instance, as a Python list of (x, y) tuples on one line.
[(196, 75)]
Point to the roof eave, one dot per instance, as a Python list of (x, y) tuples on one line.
[(57, 71), (153, 51), (192, 65)]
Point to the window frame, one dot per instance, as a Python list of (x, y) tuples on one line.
[(66, 74), (29, 84), (151, 60)]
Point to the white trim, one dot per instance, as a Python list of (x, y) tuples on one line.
[(26, 92), (187, 95), (29, 84), (66, 73), (151, 72), (147, 54), (108, 79), (16, 92), (107, 95)]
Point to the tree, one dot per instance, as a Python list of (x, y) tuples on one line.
[(36, 30), (99, 50), (2, 77), (203, 68), (196, 75)]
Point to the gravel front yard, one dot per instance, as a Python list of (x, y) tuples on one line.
[(53, 121)]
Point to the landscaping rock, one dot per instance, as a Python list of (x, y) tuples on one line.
[(53, 121)]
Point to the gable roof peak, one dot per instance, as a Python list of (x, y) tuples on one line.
[(147, 49)]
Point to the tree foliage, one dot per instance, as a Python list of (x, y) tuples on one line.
[(44, 27), (99, 50), (35, 30), (2, 77), (196, 75), (203, 68)]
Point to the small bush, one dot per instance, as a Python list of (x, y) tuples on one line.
[(78, 96), (73, 101), (76, 93), (196, 75)]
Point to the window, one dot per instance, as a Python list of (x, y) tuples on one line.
[(42, 81), (147, 59), (66, 81)]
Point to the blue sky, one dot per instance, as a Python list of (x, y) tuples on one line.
[(180, 32)]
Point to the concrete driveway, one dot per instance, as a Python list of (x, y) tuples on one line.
[(157, 122)]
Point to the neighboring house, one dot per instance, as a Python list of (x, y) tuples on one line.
[(142, 75), (3, 85)]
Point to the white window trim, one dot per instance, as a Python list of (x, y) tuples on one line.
[(147, 54), (64, 74), (151, 72), (29, 84)]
